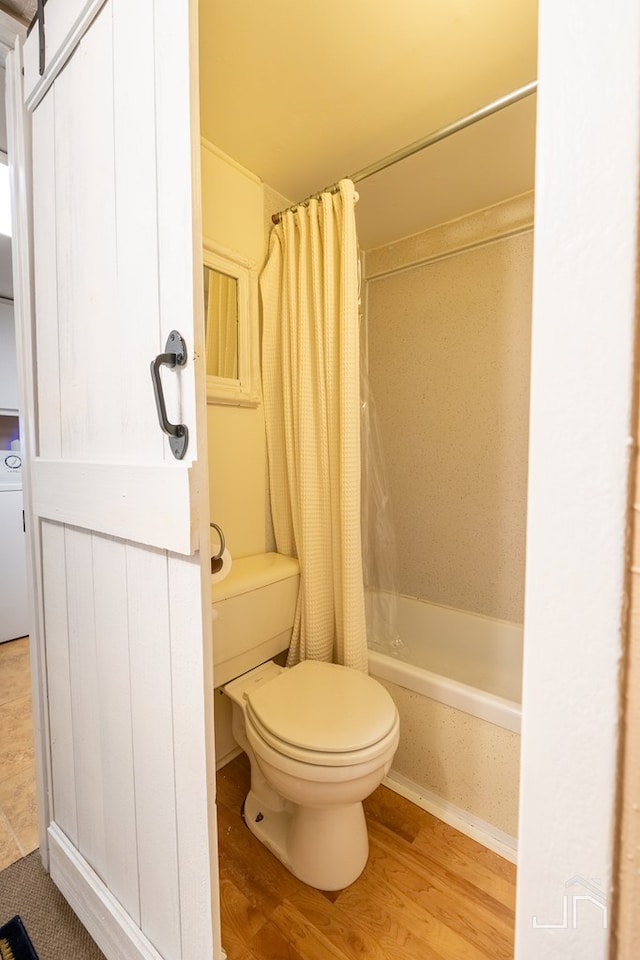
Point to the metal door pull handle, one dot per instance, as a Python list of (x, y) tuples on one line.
[(175, 355)]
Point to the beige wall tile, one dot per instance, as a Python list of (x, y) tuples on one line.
[(18, 803), (9, 849), (16, 737), (14, 670), (449, 360), (14, 648), (466, 761), (501, 220)]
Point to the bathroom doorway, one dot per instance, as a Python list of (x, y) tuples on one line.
[(460, 215)]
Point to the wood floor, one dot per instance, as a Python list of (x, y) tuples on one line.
[(427, 893), (18, 824)]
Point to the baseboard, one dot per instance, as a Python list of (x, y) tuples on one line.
[(486, 834), (108, 923), (228, 757)]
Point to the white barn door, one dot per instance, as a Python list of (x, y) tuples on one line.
[(118, 517)]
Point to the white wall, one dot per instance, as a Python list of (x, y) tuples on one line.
[(583, 348), (6, 275), (3, 111), (8, 363)]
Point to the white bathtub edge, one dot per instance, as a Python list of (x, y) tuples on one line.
[(489, 836), (504, 713)]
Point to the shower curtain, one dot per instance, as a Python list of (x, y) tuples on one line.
[(311, 385), (222, 325)]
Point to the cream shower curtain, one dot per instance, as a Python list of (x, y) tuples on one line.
[(310, 362), (222, 325)]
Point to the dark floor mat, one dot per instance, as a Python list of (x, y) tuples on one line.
[(26, 890), (15, 943)]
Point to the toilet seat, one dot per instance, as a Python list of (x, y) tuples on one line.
[(323, 714), (261, 738)]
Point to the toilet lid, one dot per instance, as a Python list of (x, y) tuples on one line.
[(323, 707)]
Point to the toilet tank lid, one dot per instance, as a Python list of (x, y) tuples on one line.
[(324, 707), (251, 573)]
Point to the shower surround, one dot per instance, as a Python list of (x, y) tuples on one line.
[(448, 343)]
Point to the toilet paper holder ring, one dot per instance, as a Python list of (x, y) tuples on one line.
[(218, 555)]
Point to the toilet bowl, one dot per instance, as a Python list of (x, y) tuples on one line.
[(320, 738)]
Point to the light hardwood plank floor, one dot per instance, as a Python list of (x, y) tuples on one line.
[(18, 823), (427, 893)]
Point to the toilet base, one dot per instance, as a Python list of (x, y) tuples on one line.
[(325, 847)]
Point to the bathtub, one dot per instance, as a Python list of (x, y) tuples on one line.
[(456, 680), (469, 662)]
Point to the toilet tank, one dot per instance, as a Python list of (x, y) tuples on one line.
[(254, 609)]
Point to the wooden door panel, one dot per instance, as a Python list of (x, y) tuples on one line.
[(147, 503), (108, 314), (136, 200), (56, 629), (85, 703), (116, 628), (117, 253), (66, 20), (89, 368), (111, 583), (152, 720), (47, 375), (108, 300)]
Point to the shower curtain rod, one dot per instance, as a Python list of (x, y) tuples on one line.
[(429, 140)]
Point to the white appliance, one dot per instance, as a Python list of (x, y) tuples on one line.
[(14, 611), (14, 616)]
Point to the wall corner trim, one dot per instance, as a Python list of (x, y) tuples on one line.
[(221, 155), (498, 222)]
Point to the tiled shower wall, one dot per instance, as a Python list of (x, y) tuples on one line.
[(448, 321)]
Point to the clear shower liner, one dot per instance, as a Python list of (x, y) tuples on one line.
[(379, 556)]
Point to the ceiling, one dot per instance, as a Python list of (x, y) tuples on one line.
[(303, 94)]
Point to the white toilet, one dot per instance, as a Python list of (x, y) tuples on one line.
[(319, 737)]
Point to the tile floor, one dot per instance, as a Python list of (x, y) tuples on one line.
[(18, 825)]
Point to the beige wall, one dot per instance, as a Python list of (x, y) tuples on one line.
[(236, 214), (274, 202), (233, 217), (449, 354)]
